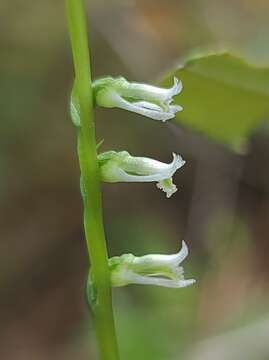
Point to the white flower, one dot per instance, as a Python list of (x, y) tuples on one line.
[(151, 101), (153, 269), (122, 167)]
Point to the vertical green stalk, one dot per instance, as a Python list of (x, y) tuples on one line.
[(93, 219)]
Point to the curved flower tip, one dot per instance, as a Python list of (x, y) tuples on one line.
[(147, 100), (122, 167), (153, 269)]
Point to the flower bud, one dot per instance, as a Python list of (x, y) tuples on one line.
[(122, 167), (153, 269), (150, 101)]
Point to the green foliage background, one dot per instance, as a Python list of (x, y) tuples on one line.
[(224, 97)]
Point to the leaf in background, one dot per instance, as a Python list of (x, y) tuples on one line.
[(223, 97)]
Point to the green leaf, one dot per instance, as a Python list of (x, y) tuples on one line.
[(223, 97)]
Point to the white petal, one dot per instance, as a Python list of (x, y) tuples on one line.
[(175, 108), (148, 105), (152, 166), (152, 169), (146, 280), (154, 111), (176, 259), (146, 108), (178, 86), (172, 260), (182, 254), (144, 91), (166, 183), (139, 169), (173, 91), (116, 93), (178, 161), (123, 176), (171, 168)]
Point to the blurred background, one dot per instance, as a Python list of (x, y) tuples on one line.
[(221, 208)]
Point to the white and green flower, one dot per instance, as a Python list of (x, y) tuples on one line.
[(122, 167), (147, 100), (153, 269)]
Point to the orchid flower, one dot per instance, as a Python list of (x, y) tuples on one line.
[(153, 269), (122, 167), (147, 100)]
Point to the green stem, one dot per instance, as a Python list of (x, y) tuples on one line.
[(93, 219)]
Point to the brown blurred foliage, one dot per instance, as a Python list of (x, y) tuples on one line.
[(221, 209)]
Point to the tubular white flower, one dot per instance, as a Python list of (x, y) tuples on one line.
[(150, 101), (122, 167), (153, 269)]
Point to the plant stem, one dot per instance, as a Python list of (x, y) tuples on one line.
[(93, 219)]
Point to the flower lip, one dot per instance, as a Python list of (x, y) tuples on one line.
[(147, 100)]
